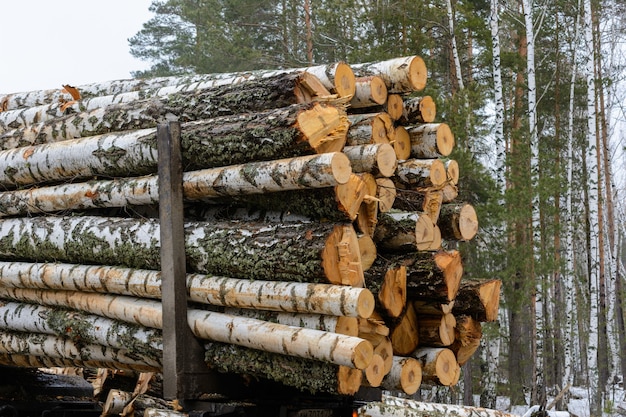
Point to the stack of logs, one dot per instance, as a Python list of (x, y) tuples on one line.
[(320, 227)]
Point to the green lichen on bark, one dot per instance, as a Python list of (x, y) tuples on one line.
[(303, 374)]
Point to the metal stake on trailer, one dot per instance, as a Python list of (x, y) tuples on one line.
[(185, 374)]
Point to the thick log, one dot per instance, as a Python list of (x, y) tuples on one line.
[(81, 328), (312, 171), (368, 251), (405, 375), (401, 75), (436, 330), (303, 374), (402, 143), (404, 332), (401, 407), (431, 140), (421, 173), (418, 110), (370, 128), (56, 347), (32, 361), (479, 299), (437, 241), (378, 159), (339, 203), (370, 92), (319, 252), (468, 333), (439, 366), (247, 97), (272, 337), (387, 281), (399, 232), (220, 291), (335, 324), (385, 194), (434, 276), (458, 222)]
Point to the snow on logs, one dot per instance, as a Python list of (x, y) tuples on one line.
[(321, 226)]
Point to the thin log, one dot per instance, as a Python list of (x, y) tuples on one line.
[(421, 173), (405, 375), (374, 373), (430, 308), (394, 106), (458, 222), (370, 91), (400, 407), (367, 216), (479, 299), (401, 75), (436, 330), (439, 366), (52, 346), (370, 128), (336, 324), (468, 333), (328, 253), (404, 333), (431, 140), (382, 348), (313, 171), (418, 110), (32, 361), (399, 232), (385, 194), (379, 159), (452, 171), (303, 374), (339, 203), (327, 299), (81, 328), (449, 193), (434, 276), (402, 143), (272, 337), (387, 281)]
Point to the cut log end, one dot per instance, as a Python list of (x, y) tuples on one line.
[(468, 222), (382, 128), (392, 295), (438, 175), (394, 106), (347, 325), (345, 81), (439, 366), (348, 380), (410, 376), (445, 139), (325, 127), (385, 193), (363, 355), (452, 171), (341, 167), (365, 304), (341, 258), (368, 251), (386, 160), (378, 90), (402, 143), (418, 73), (375, 372), (428, 109)]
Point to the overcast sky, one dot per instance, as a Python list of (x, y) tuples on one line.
[(48, 43)]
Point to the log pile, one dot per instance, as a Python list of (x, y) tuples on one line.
[(320, 228)]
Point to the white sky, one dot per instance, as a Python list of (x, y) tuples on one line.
[(48, 43)]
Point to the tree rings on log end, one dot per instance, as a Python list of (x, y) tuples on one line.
[(402, 143), (325, 127), (418, 73), (345, 81)]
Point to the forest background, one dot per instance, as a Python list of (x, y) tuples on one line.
[(535, 94)]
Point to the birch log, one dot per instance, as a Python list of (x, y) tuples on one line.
[(303, 374), (312, 171), (51, 346), (439, 366), (402, 143), (403, 232), (248, 97), (431, 140), (81, 327), (418, 110), (335, 300), (378, 159), (458, 222), (405, 375), (31, 361), (370, 91), (272, 337), (421, 173), (434, 276), (320, 252), (401, 75), (400, 407), (370, 128), (436, 330)]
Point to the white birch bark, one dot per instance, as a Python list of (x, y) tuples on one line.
[(455, 52), (402, 407), (494, 26), (313, 171), (31, 361), (88, 328), (592, 377), (329, 347), (401, 75), (296, 297), (60, 348)]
